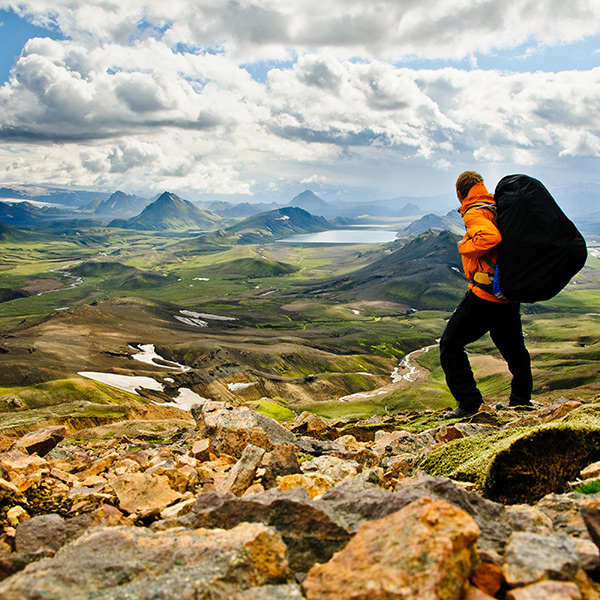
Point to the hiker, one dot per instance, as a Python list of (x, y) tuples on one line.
[(481, 311)]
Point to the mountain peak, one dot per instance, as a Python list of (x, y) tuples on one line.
[(310, 202)]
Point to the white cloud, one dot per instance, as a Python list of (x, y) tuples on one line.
[(384, 29), (152, 95)]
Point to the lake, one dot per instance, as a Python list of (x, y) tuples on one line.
[(343, 236)]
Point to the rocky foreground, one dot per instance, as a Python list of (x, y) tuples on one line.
[(233, 505)]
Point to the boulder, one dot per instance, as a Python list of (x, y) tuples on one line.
[(45, 532), (201, 450), (331, 466), (19, 464), (290, 591), (134, 562), (231, 429), (314, 483), (307, 423), (521, 465), (531, 557), (426, 550)]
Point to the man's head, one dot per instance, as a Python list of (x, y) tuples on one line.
[(465, 182)]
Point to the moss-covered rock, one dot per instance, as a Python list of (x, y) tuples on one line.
[(522, 464)]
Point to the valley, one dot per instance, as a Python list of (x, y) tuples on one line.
[(279, 326)]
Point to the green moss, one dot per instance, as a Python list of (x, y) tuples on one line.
[(522, 464)]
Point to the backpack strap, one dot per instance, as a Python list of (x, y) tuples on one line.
[(479, 205)]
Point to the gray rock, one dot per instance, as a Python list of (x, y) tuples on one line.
[(531, 557), (291, 591), (136, 563), (309, 531), (45, 533)]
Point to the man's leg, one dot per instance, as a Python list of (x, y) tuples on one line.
[(468, 323), (506, 332)]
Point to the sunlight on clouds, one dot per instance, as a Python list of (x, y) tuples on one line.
[(153, 94)]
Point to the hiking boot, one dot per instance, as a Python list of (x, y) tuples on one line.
[(461, 413), (524, 406)]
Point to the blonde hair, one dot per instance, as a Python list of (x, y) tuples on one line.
[(466, 181)]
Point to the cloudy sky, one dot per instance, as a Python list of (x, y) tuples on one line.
[(261, 99)]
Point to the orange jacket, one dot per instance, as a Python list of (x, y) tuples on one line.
[(481, 239)]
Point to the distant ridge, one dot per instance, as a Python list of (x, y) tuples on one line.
[(241, 210), (123, 204), (27, 214), (169, 212), (451, 222), (262, 228)]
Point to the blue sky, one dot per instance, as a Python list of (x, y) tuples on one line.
[(261, 99), (14, 32)]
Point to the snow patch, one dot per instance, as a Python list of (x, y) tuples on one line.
[(188, 398), (236, 387), (197, 315), (127, 383), (192, 322), (148, 356)]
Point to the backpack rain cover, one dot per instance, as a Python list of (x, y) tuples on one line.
[(541, 249)]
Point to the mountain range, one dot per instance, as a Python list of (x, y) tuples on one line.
[(121, 204)]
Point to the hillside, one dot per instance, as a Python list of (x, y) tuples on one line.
[(425, 273), (252, 267), (169, 212), (12, 234), (117, 276)]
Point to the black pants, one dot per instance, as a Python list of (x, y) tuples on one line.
[(472, 319)]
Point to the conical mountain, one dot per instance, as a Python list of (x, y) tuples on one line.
[(276, 224), (170, 212), (310, 202)]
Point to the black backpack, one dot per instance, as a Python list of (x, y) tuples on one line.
[(541, 249)]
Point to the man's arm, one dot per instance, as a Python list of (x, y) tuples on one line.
[(482, 234)]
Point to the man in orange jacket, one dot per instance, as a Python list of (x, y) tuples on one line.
[(480, 310)]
